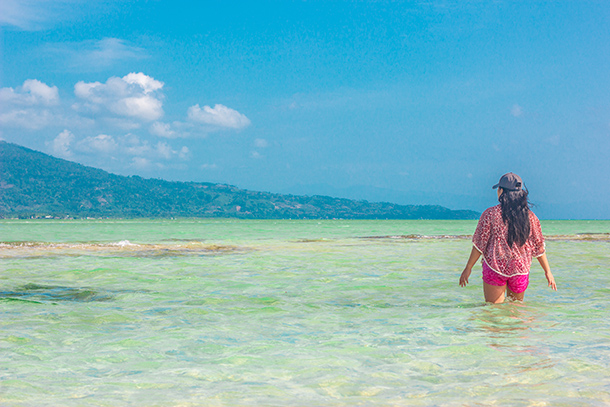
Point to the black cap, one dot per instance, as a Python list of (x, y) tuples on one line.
[(510, 182)]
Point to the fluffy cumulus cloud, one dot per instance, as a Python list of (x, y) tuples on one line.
[(128, 146), (30, 119), (33, 105), (124, 103), (61, 144), (162, 130), (141, 163), (218, 116), (201, 122), (135, 96), (176, 129), (117, 120), (146, 156), (134, 145), (145, 82), (32, 93), (102, 143)]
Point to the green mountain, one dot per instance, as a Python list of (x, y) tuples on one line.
[(38, 185)]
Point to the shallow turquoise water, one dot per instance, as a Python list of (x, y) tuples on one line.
[(326, 313)]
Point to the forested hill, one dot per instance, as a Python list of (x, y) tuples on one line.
[(36, 184)]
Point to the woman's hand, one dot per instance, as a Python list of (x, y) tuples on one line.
[(464, 276), (474, 256), (551, 280)]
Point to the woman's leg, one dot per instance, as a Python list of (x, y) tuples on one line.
[(516, 286), (494, 293), (514, 296)]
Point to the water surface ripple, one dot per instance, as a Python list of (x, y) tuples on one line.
[(276, 313)]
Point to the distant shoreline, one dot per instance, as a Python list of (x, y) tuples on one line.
[(36, 185)]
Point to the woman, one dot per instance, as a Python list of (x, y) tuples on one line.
[(508, 235)]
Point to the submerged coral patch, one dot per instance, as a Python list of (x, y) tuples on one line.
[(51, 293), (123, 248)]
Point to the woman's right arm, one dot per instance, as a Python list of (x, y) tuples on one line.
[(474, 256), (544, 262), (481, 236)]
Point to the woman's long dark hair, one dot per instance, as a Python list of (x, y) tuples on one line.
[(515, 214)]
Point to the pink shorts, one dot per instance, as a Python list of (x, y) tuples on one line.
[(516, 284)]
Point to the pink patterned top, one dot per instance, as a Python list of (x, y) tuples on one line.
[(490, 238)]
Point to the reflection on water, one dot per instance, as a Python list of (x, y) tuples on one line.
[(504, 320), (513, 328)]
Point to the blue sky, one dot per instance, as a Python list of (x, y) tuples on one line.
[(405, 101)]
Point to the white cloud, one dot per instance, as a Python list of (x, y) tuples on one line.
[(107, 51), (130, 149), (175, 129), (219, 116), (93, 55), (164, 150), (141, 107), (127, 103), (256, 155), (41, 93), (61, 144), (32, 93), (516, 110), (132, 145), (34, 15), (29, 14), (135, 96), (162, 130), (16, 13), (30, 119), (141, 163), (86, 91), (145, 82), (102, 143), (184, 153), (121, 123), (260, 143), (32, 105)]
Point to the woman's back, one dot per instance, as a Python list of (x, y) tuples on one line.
[(491, 238)]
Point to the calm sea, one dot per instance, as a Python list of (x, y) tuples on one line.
[(293, 313)]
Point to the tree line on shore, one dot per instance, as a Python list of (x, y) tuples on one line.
[(33, 184)]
